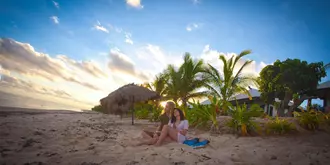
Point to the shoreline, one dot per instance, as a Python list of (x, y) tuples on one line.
[(5, 109)]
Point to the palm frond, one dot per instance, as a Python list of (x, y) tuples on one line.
[(213, 91), (327, 66), (198, 94), (246, 63), (214, 73), (242, 54)]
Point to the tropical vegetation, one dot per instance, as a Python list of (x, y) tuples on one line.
[(291, 79), (241, 121), (310, 119), (185, 82), (225, 84), (279, 126)]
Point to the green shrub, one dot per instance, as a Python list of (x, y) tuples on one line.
[(216, 104), (98, 108), (142, 110), (241, 121), (142, 113), (326, 119), (310, 119), (155, 113), (256, 110), (279, 126), (202, 116)]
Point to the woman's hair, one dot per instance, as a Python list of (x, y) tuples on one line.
[(181, 115), (171, 104)]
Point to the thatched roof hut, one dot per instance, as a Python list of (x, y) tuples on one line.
[(122, 100)]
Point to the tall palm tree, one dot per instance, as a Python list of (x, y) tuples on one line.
[(226, 85), (327, 66), (158, 85), (184, 83)]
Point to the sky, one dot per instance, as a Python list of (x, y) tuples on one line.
[(76, 52)]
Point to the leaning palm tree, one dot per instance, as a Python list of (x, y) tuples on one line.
[(185, 82), (228, 84), (159, 86), (327, 66)]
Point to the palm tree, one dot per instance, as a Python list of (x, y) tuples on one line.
[(184, 82), (327, 66), (158, 85), (225, 86)]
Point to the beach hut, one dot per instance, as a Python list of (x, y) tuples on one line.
[(323, 92), (122, 100)]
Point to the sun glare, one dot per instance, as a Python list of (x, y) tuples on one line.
[(163, 104)]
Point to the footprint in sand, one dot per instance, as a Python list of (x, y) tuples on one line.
[(89, 163), (37, 133), (179, 163), (29, 143), (132, 163), (34, 163)]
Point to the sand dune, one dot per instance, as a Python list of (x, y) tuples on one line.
[(86, 138)]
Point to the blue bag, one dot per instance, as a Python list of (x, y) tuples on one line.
[(200, 144), (191, 142)]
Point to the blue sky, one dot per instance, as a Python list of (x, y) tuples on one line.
[(85, 30)]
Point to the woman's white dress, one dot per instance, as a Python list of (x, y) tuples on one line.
[(182, 126)]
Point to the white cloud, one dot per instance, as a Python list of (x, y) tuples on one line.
[(121, 63), (98, 26), (134, 3), (19, 92), (206, 48), (59, 76), (262, 64), (212, 57), (18, 83), (128, 38), (23, 59), (157, 58), (29, 73), (89, 67), (129, 41), (118, 30), (55, 19), (195, 2), (56, 4), (193, 26)]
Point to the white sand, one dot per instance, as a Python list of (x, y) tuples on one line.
[(64, 137)]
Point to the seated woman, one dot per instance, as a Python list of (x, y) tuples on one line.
[(150, 137), (176, 129)]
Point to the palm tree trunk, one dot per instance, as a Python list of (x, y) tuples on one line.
[(184, 102), (309, 103), (284, 103)]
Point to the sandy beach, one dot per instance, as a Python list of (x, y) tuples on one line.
[(30, 136)]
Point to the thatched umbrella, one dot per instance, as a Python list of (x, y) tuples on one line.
[(122, 100)]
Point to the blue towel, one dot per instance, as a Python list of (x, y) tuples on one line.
[(191, 142), (201, 144)]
